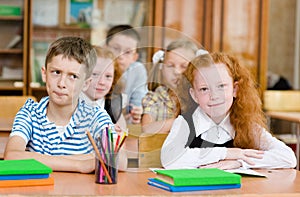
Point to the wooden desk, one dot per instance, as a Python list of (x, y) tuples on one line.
[(5, 128), (292, 117), (278, 183), (6, 124)]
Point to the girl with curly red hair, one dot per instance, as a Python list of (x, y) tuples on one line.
[(223, 125)]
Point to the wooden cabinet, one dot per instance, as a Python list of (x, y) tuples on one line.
[(13, 47)]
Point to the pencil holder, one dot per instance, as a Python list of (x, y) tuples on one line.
[(107, 172)]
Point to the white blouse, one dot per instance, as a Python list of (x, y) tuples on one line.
[(100, 102), (174, 154)]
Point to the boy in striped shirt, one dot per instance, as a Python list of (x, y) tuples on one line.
[(53, 130)]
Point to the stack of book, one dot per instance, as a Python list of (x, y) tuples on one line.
[(181, 180), (27, 172)]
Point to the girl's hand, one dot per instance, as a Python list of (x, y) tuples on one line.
[(118, 129), (224, 165), (244, 154), (136, 114), (121, 131)]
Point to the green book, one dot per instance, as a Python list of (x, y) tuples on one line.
[(22, 167), (8, 10), (197, 177)]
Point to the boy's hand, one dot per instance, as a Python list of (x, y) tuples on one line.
[(244, 154), (86, 166)]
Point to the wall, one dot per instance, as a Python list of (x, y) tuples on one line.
[(282, 23)]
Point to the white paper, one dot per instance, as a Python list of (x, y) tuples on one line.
[(45, 13), (243, 171)]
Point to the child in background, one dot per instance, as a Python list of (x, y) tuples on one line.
[(106, 87), (54, 129), (161, 105), (227, 130), (123, 41), (105, 91)]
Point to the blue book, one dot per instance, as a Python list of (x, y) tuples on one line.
[(23, 176), (162, 185)]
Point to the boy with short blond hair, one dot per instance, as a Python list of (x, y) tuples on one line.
[(53, 130)]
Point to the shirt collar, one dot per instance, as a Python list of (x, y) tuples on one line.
[(42, 112), (94, 103), (204, 123)]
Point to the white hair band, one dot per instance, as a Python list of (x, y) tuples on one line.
[(158, 56), (201, 52)]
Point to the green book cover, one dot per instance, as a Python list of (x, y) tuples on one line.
[(21, 167), (193, 177)]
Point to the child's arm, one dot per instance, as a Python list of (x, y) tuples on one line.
[(120, 127), (150, 126), (245, 155), (236, 158), (276, 154), (15, 149), (135, 114), (122, 122), (138, 85), (174, 154), (224, 165)]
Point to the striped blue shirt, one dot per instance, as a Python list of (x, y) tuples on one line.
[(42, 136)]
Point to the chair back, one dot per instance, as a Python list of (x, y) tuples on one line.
[(282, 100), (10, 105)]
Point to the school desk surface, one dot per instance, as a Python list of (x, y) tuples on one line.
[(134, 182)]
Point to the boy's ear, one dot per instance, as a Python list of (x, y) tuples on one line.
[(192, 93), (43, 70), (86, 84), (235, 88), (136, 56)]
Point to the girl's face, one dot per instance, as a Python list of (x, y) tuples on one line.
[(102, 79), (214, 90), (176, 62)]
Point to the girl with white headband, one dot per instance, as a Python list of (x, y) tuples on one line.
[(161, 105)]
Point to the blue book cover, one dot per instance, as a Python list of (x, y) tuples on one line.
[(23, 176), (159, 184)]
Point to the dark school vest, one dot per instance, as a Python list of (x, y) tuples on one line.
[(113, 106), (198, 142)]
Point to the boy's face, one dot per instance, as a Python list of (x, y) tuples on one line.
[(102, 79), (64, 79), (214, 90), (124, 48)]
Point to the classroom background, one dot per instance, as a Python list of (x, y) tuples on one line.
[(264, 34)]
